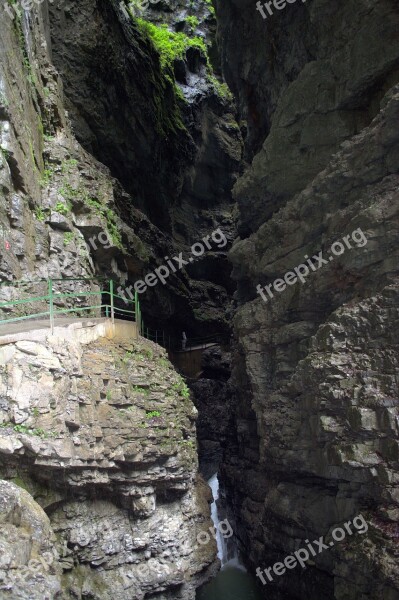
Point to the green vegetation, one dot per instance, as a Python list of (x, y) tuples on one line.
[(221, 89), (164, 363), (188, 443), (68, 238), (128, 355), (192, 22), (45, 177), (68, 165), (110, 217), (5, 153), (63, 209), (29, 431), (140, 390), (210, 6), (172, 46), (182, 389), (40, 213), (169, 44), (152, 413), (71, 194), (31, 78)]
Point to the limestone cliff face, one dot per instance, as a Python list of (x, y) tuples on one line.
[(103, 438), (315, 367), (97, 140)]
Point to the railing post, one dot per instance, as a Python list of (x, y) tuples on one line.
[(137, 312), (51, 300), (111, 294)]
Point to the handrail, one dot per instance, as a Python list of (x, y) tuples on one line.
[(12, 283), (160, 337), (52, 301)]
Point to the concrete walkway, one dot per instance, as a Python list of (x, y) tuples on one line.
[(84, 330), (33, 324), (199, 347)]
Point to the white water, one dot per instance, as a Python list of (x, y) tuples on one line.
[(232, 582), (227, 553)]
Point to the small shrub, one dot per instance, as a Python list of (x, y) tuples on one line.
[(40, 213), (152, 413), (68, 165), (63, 209), (140, 390), (45, 177), (68, 238), (192, 22)]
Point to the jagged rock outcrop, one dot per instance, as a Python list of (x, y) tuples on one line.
[(29, 568), (315, 370), (103, 437), (211, 395)]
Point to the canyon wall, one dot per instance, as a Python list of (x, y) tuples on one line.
[(111, 162), (108, 163), (315, 371)]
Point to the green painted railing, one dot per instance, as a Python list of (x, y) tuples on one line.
[(57, 303)]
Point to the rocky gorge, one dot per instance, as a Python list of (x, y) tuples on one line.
[(127, 134)]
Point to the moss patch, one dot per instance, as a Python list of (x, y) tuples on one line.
[(170, 45)]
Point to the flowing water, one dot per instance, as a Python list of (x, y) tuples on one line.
[(233, 582)]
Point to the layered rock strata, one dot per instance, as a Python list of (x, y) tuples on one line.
[(103, 438)]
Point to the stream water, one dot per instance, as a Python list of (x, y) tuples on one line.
[(233, 582)]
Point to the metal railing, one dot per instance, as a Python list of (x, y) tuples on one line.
[(175, 344), (52, 303)]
